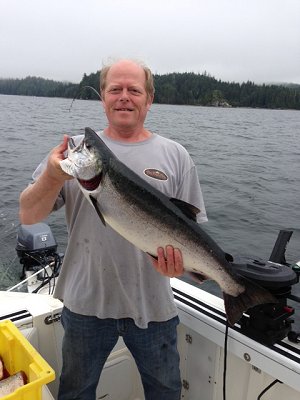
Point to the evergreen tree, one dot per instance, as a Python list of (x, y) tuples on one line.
[(173, 88)]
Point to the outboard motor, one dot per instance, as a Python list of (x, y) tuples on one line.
[(37, 251), (269, 323)]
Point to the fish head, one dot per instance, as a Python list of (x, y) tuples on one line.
[(81, 161)]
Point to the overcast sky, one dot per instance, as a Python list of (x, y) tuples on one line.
[(232, 40)]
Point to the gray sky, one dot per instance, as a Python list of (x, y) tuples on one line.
[(233, 40)]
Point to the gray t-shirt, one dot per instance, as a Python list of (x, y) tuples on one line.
[(103, 274)]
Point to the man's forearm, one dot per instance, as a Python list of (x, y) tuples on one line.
[(37, 200)]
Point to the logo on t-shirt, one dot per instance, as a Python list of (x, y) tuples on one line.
[(156, 174)]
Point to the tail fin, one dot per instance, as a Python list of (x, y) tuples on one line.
[(252, 296)]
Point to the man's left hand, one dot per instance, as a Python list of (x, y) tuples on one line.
[(169, 262)]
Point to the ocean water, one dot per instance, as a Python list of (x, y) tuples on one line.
[(248, 162)]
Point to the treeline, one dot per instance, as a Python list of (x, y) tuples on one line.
[(174, 88), (196, 89), (33, 86)]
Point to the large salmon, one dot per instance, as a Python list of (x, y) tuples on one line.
[(149, 219)]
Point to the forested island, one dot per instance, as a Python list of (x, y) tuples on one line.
[(174, 88)]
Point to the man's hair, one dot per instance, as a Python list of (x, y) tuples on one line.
[(149, 82)]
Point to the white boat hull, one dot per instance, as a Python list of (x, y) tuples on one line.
[(251, 366)]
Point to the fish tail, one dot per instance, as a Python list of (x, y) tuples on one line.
[(253, 295)]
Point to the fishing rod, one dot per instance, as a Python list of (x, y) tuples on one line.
[(80, 92)]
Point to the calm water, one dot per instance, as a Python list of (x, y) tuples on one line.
[(248, 162)]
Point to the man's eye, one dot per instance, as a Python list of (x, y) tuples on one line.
[(136, 91)]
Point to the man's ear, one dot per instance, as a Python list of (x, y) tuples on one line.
[(150, 102)]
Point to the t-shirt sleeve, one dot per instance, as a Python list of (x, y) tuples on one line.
[(190, 191)]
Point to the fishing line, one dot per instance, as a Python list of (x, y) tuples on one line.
[(268, 388), (20, 284), (43, 265), (225, 368), (225, 359), (80, 91)]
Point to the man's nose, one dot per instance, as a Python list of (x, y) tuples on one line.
[(124, 95)]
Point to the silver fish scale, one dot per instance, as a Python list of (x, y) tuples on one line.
[(148, 232)]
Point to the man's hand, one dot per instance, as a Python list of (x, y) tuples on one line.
[(169, 262), (54, 170)]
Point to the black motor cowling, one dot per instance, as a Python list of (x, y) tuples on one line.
[(269, 323)]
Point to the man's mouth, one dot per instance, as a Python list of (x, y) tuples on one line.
[(124, 109)]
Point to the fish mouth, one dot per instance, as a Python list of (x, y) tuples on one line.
[(91, 184), (71, 143)]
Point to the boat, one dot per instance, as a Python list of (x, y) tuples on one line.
[(257, 358)]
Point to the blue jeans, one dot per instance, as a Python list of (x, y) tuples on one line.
[(88, 342)]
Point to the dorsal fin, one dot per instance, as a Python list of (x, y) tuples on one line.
[(188, 210)]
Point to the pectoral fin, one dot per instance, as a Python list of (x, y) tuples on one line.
[(95, 204)]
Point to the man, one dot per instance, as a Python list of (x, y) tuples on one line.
[(109, 287)]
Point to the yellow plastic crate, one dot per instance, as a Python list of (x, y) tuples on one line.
[(19, 355)]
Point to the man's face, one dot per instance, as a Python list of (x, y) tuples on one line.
[(124, 98)]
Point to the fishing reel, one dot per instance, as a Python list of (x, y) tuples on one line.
[(37, 251), (270, 323)]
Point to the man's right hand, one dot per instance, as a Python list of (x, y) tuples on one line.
[(54, 170)]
